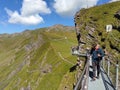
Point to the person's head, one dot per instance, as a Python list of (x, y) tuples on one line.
[(95, 46)]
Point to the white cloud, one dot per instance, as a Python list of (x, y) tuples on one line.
[(31, 7), (113, 0), (29, 13), (69, 7)]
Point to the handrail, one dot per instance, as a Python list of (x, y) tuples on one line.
[(109, 62), (82, 83), (76, 52), (83, 80)]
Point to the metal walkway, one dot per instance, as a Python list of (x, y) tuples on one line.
[(103, 83), (97, 84), (85, 81)]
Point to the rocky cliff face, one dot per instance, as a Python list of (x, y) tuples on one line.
[(91, 25)]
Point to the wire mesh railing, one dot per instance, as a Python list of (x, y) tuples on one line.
[(82, 83), (109, 65), (82, 80), (112, 69)]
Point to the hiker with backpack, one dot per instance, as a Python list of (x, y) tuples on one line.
[(97, 54)]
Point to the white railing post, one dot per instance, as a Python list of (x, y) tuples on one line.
[(108, 67), (117, 70), (103, 62)]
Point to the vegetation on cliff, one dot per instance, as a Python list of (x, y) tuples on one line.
[(91, 27)]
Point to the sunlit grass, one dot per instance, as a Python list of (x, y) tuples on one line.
[(38, 68)]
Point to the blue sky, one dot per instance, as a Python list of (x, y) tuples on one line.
[(19, 15)]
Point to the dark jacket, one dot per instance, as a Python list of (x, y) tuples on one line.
[(95, 53)]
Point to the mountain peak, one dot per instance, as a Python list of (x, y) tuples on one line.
[(60, 27)]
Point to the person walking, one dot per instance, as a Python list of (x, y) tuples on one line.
[(97, 54)]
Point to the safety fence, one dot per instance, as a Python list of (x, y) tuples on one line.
[(111, 67), (82, 80)]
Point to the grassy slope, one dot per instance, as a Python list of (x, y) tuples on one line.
[(98, 17), (40, 67)]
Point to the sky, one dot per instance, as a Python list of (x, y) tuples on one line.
[(19, 15)]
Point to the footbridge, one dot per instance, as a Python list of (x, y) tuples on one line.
[(109, 76)]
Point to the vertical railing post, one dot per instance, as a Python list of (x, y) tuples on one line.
[(103, 62), (117, 75), (108, 67)]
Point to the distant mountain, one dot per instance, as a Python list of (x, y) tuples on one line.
[(37, 59), (91, 26), (59, 27)]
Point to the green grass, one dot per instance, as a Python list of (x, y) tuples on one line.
[(98, 17), (36, 59), (39, 66)]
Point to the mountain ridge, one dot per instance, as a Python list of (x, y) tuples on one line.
[(36, 59)]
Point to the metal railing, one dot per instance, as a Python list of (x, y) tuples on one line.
[(112, 70), (82, 80), (109, 66), (82, 83)]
